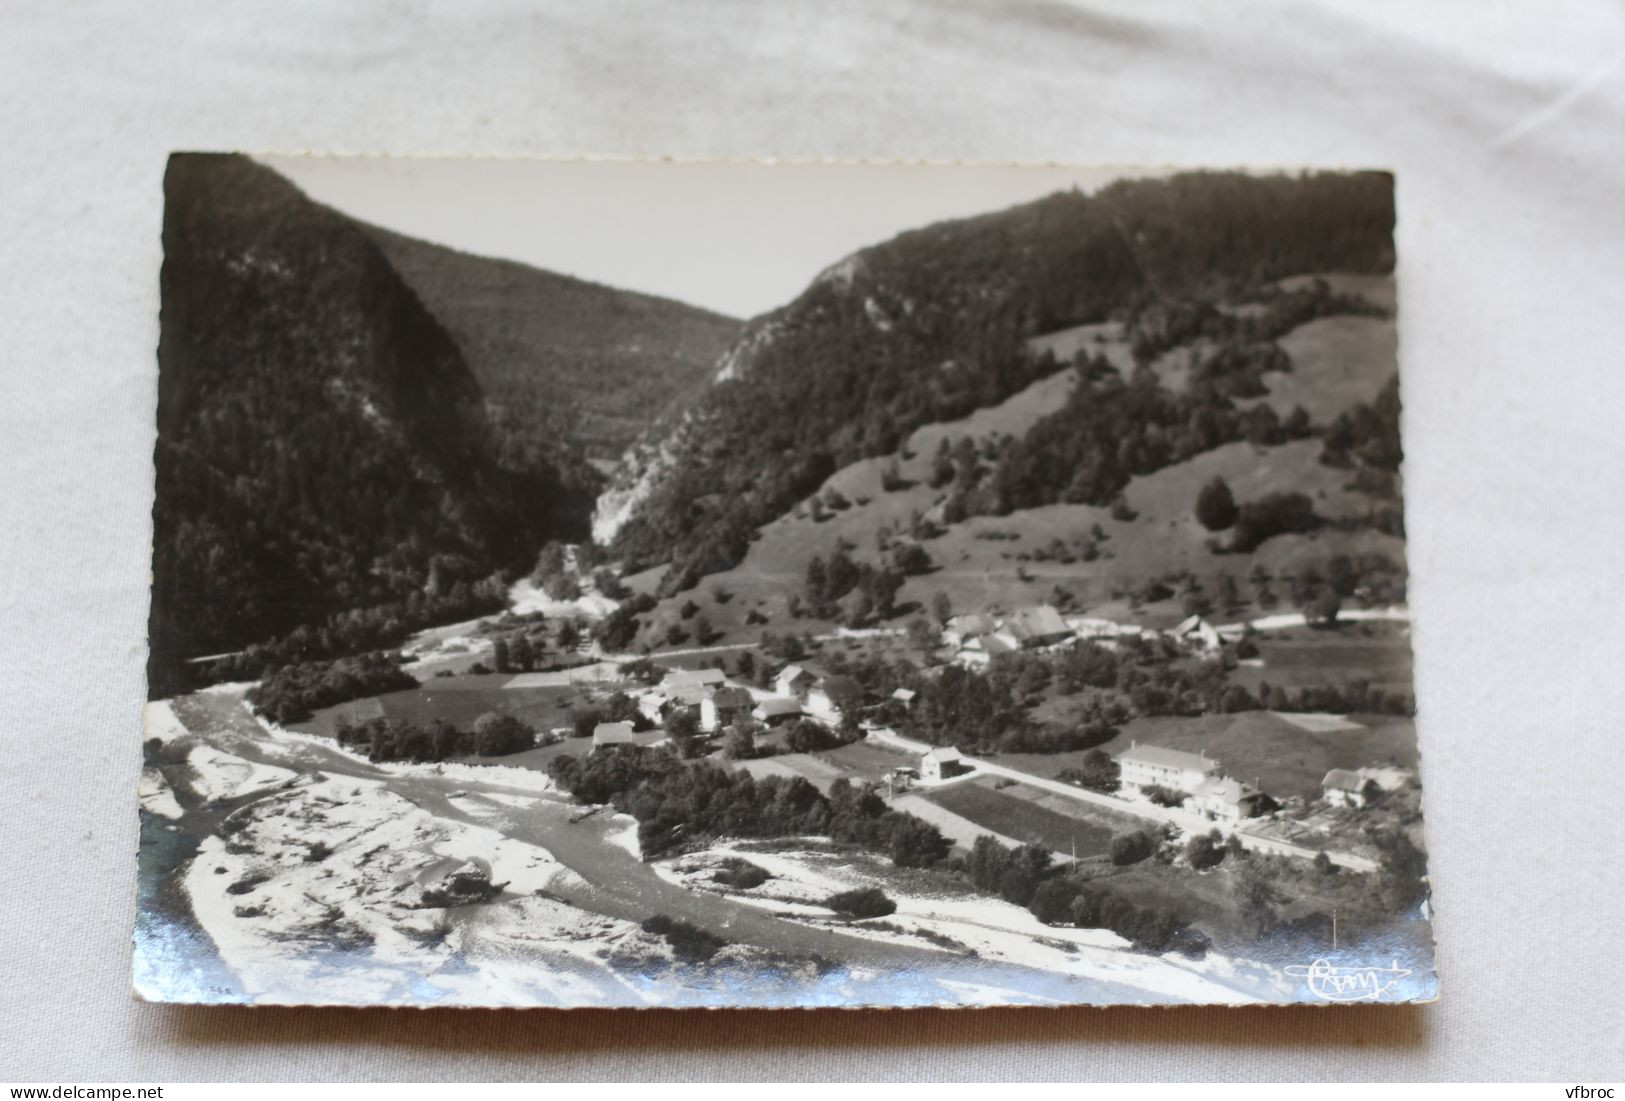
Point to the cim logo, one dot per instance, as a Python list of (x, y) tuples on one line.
[(1349, 984)]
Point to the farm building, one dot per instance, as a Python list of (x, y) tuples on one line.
[(979, 650), (725, 706), (1345, 788), (777, 709), (1145, 765), (905, 696), (1227, 800), (832, 696), (1030, 628), (612, 734), (1198, 631), (941, 763), (689, 679), (794, 681), (963, 627)]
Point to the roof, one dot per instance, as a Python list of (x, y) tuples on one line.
[(904, 694), (792, 673), (1166, 758), (971, 624), (1222, 787), (1036, 622), (689, 695), (778, 705), (730, 696), (687, 678), (841, 687), (612, 733), (944, 754), (1342, 779)]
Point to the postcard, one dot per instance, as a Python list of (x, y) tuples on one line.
[(635, 583)]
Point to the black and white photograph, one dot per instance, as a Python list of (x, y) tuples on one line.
[(589, 583)]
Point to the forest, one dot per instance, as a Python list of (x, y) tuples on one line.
[(322, 445)]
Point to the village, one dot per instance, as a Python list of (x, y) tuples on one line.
[(805, 718)]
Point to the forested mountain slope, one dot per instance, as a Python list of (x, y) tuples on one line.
[(934, 323), (322, 444), (571, 370)]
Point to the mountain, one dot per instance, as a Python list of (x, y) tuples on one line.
[(571, 370), (935, 322), (322, 443)]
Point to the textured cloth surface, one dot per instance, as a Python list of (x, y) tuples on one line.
[(1504, 123)]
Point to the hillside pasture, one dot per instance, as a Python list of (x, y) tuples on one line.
[(456, 700)]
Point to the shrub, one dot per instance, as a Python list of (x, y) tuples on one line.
[(740, 874), (688, 942), (862, 902), (1131, 848), (1164, 796), (1215, 507)]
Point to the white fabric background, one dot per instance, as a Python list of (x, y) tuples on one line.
[(1503, 122)]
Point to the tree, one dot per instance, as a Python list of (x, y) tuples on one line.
[(497, 734), (500, 658), (740, 745), (1322, 610), (521, 654), (942, 607), (586, 721), (1131, 848), (1205, 850), (682, 723), (921, 635), (1215, 507)]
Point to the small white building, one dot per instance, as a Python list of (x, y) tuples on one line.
[(794, 681), (1032, 628), (1224, 800), (1145, 765), (724, 707), (1199, 632), (941, 763), (905, 696), (963, 627), (777, 709), (1345, 788), (612, 734)]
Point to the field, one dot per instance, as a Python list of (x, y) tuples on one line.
[(458, 700), (1376, 652), (1022, 819)]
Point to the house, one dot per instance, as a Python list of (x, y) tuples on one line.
[(1031, 628), (1226, 800), (963, 627), (724, 707), (905, 696), (941, 763), (1199, 631), (1145, 765), (1345, 788), (681, 679), (834, 696), (612, 734), (794, 681), (980, 650), (777, 709)]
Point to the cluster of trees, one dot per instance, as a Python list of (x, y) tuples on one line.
[(493, 735), (295, 692), (1074, 900), (1012, 874), (1098, 772), (617, 707), (618, 630), (862, 902), (827, 583), (1156, 325), (519, 653), (676, 803), (553, 573)]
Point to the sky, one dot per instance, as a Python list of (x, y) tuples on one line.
[(736, 237)]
